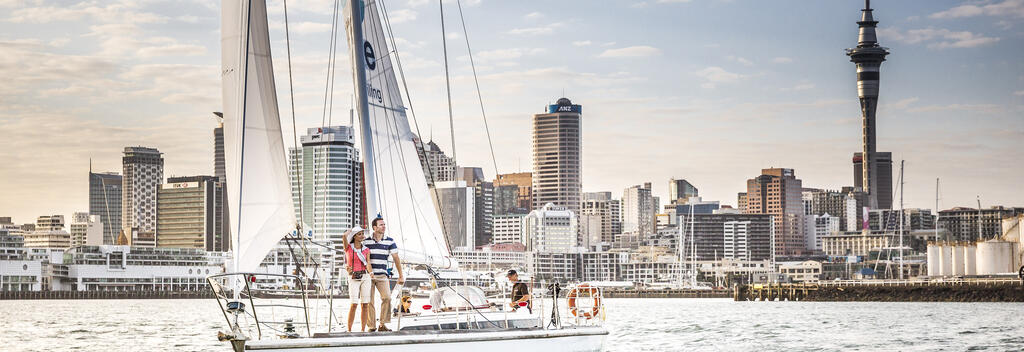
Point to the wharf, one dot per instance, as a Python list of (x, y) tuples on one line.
[(957, 290), (667, 293), (13, 295)]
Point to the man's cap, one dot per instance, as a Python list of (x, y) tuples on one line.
[(511, 272)]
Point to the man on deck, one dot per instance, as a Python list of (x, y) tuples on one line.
[(380, 248), (520, 292)]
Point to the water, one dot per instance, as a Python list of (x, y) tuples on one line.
[(635, 324)]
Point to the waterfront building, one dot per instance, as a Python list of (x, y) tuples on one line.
[(186, 214), (325, 175), (483, 202), (523, 180), (50, 223), (777, 192), (105, 202), (551, 228), (730, 236), (86, 230), (638, 210), (143, 172), (48, 232), (508, 228), (805, 271), (872, 170), (437, 166), (854, 243), (699, 206), (492, 258), (961, 224), (913, 219), (680, 191), (456, 203), (557, 162), (816, 227)]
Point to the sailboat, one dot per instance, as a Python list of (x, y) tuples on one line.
[(458, 318)]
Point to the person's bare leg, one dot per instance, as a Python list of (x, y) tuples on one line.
[(365, 316), (352, 316)]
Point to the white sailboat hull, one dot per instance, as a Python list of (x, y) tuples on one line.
[(577, 339)]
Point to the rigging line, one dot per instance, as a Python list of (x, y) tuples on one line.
[(392, 116), (412, 111), (330, 59), (241, 149), (447, 83), (476, 81), (291, 94), (331, 74)]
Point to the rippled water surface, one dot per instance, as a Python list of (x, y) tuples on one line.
[(635, 324)]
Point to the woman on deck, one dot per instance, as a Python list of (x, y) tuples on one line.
[(359, 277)]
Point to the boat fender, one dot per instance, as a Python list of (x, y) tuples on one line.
[(594, 294)]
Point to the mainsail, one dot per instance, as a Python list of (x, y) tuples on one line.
[(259, 194), (396, 187)]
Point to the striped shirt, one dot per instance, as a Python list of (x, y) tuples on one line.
[(380, 252)]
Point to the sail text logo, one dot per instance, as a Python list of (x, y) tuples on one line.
[(374, 93), (371, 59)]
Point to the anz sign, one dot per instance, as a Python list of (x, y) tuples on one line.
[(565, 108)]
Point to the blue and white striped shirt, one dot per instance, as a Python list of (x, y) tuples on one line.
[(380, 252)]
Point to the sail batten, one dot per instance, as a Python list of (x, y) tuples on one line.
[(258, 189), (396, 186)]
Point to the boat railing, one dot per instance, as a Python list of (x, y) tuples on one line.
[(277, 304), (585, 304)]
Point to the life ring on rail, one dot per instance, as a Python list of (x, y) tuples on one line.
[(595, 295)]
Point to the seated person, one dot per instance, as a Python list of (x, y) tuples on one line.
[(520, 292)]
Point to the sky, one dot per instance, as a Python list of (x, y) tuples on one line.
[(711, 91)]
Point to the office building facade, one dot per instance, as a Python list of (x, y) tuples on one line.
[(557, 162), (142, 175), (105, 203)]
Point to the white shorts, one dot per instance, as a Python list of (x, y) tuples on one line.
[(359, 290)]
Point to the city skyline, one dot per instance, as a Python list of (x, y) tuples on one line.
[(747, 105)]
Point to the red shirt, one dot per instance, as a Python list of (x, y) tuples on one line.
[(353, 259)]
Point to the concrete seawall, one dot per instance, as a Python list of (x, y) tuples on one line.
[(12, 295), (886, 291)]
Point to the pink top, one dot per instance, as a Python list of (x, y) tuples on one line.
[(353, 259)]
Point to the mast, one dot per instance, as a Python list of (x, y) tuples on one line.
[(693, 251), (936, 225), (902, 220), (980, 233), (362, 105)]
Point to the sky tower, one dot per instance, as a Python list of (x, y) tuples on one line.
[(875, 169)]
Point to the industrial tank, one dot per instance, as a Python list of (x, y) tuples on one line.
[(946, 259), (995, 257), (970, 259), (933, 258), (957, 250)]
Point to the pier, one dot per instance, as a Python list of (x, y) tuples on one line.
[(667, 293), (12, 295), (957, 290)]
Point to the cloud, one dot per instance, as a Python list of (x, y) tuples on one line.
[(937, 38), (631, 51), (533, 16), (740, 60), (403, 15), (799, 87), (715, 75), (902, 103), (672, 1), (582, 43), (1019, 93), (172, 50), (782, 60), (507, 54), (1012, 8), (545, 29), (978, 108), (121, 12), (310, 27)]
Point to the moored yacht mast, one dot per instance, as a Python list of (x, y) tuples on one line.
[(362, 105)]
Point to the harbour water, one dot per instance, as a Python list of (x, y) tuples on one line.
[(635, 324)]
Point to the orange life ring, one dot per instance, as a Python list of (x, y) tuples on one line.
[(594, 294)]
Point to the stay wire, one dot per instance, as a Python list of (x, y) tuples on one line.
[(479, 95)]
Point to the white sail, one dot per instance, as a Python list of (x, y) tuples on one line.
[(259, 194), (396, 187)]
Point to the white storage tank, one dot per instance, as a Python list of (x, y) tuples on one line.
[(933, 258), (970, 259), (995, 257), (957, 249), (946, 259)]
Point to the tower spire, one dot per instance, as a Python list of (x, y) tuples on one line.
[(868, 56)]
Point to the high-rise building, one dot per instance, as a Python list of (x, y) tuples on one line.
[(638, 210), (50, 223), (220, 172), (731, 236), (86, 230), (699, 206), (48, 232), (508, 228), (834, 203), (325, 178), (868, 56), (523, 180), (437, 166), (506, 200), (551, 228), (961, 224), (680, 191), (455, 203), (557, 162), (597, 218), (777, 192), (186, 214), (741, 201), (105, 203), (483, 202), (816, 227), (913, 219), (142, 174)]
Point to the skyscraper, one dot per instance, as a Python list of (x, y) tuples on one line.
[(86, 230), (638, 210), (523, 180), (598, 206), (777, 192), (186, 214), (143, 173), (325, 178), (437, 166), (680, 191), (868, 56), (220, 172), (105, 202), (557, 167), (455, 202), (483, 202)]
